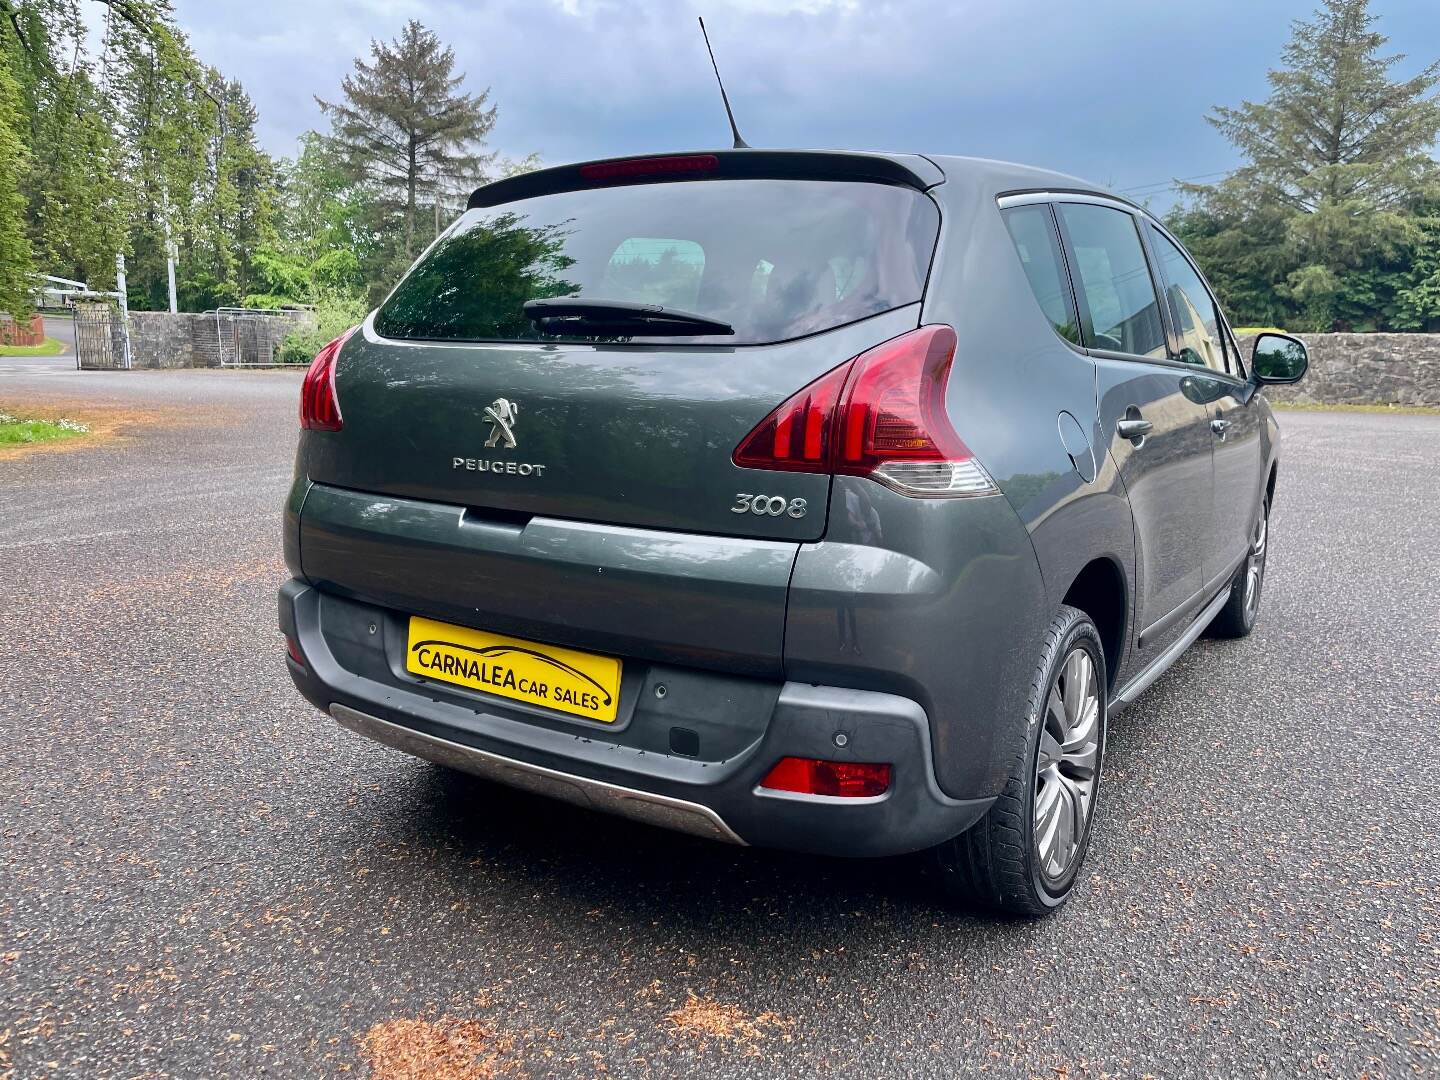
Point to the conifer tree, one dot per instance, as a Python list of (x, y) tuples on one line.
[(405, 127), (16, 264), (1337, 165)]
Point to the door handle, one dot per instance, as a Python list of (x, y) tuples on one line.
[(1134, 430), (1220, 426)]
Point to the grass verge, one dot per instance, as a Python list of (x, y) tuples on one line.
[(15, 431), (48, 347), (1399, 410)]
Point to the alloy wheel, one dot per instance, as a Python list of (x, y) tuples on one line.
[(1255, 564), (1067, 765)]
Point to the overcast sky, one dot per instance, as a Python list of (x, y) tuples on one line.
[(1113, 90)]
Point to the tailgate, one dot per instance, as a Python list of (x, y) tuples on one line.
[(455, 394), (640, 435), (705, 601)]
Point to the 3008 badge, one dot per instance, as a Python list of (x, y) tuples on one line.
[(768, 505)]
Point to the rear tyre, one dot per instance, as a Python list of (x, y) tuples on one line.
[(1237, 617), (1024, 855)]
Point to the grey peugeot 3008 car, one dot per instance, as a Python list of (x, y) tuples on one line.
[(825, 501)]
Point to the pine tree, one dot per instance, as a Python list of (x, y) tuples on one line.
[(75, 210), (1337, 163), (16, 265), (405, 127), (1335, 128)]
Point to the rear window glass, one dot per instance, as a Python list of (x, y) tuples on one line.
[(649, 270), (776, 259)]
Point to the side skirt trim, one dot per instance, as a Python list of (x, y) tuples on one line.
[(1141, 682)]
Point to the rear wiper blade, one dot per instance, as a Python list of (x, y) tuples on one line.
[(574, 314)]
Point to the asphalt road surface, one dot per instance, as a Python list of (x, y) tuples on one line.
[(62, 329), (201, 876)]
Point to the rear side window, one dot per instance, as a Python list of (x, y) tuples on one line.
[(775, 259), (1033, 231), (1119, 310)]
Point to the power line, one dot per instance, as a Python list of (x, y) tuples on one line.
[(1162, 185), (1178, 180)]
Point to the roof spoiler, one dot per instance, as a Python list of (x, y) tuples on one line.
[(903, 170)]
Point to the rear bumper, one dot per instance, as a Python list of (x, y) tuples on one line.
[(349, 673)]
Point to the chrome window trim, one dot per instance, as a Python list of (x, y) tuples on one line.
[(1026, 198)]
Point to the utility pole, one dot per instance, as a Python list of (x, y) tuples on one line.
[(170, 253), (124, 310)]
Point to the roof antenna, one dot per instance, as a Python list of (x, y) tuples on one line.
[(740, 144)]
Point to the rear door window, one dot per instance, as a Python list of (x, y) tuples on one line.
[(775, 259), (1119, 311), (1033, 231)]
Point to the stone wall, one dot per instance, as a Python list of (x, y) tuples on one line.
[(1365, 369), (159, 339)]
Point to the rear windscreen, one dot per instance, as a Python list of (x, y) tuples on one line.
[(775, 259)]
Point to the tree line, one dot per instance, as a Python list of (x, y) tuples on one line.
[(1331, 222), (136, 143)]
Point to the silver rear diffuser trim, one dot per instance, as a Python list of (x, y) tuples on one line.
[(675, 814)]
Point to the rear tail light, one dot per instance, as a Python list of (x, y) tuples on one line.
[(319, 407), (799, 435), (881, 415), (837, 779)]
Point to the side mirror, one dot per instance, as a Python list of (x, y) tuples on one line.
[(1278, 358)]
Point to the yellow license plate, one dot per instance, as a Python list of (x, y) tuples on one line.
[(574, 682)]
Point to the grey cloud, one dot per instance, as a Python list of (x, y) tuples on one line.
[(1112, 89)]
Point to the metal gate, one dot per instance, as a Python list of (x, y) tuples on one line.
[(100, 339), (250, 337)]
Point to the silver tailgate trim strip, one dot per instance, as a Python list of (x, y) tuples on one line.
[(675, 814)]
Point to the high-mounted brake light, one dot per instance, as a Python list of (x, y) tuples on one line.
[(319, 407), (837, 779), (881, 415), (653, 166)]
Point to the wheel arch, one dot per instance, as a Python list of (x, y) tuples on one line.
[(1100, 590)]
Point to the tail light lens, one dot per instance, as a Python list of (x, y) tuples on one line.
[(837, 779), (881, 415), (799, 435), (319, 407)]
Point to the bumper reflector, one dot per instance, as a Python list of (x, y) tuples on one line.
[(837, 779), (293, 648)]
